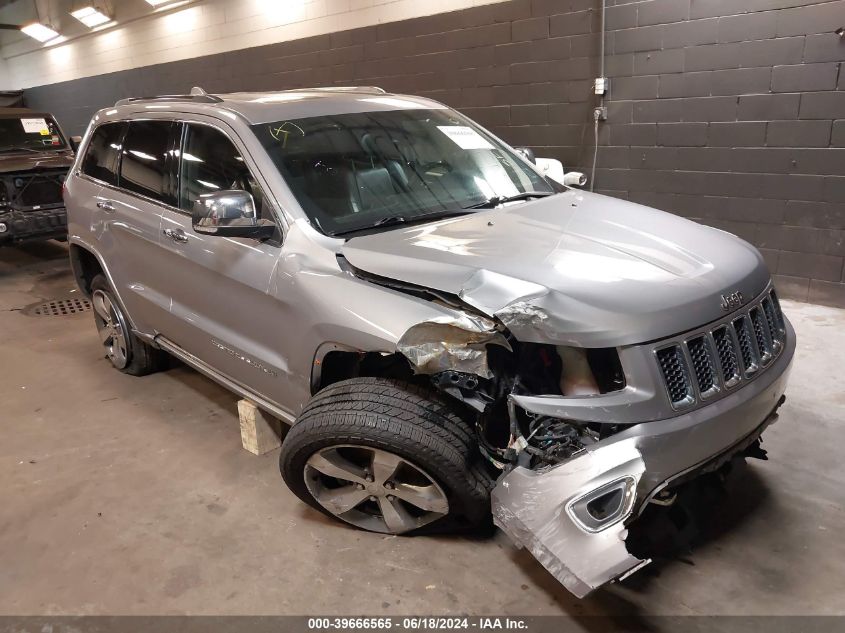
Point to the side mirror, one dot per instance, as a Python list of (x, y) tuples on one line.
[(229, 213), (75, 142), (527, 153), (574, 179), (553, 168)]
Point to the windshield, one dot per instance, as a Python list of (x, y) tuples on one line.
[(361, 170), (30, 133)]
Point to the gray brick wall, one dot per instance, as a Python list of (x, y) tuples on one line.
[(729, 112)]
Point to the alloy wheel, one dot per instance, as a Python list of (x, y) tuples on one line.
[(374, 489), (111, 326)]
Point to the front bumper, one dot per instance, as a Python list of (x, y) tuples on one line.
[(535, 507), (38, 224)]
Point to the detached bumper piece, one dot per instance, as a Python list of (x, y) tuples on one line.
[(22, 226)]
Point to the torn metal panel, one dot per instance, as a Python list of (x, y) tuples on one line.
[(451, 343), (488, 291), (534, 509)]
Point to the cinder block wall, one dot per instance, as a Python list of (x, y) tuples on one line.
[(730, 112)]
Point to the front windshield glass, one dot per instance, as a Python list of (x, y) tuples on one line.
[(362, 170), (31, 132)]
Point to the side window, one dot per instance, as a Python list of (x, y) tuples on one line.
[(100, 159), (210, 162), (145, 168)]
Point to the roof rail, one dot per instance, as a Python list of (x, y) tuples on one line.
[(197, 95), (370, 89)]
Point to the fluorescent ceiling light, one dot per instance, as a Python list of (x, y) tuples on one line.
[(40, 32), (167, 5), (90, 16)]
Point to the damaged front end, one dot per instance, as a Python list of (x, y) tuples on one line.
[(586, 439)]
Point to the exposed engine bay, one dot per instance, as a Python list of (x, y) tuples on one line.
[(31, 205)]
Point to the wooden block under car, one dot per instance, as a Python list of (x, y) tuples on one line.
[(260, 432)]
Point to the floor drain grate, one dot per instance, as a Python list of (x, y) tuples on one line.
[(59, 307)]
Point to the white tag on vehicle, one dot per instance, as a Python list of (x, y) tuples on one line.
[(465, 137)]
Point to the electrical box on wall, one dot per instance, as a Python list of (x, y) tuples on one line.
[(602, 85)]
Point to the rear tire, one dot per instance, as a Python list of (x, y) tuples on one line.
[(388, 457), (125, 351)]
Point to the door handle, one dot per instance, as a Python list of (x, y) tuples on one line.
[(105, 205), (177, 235)]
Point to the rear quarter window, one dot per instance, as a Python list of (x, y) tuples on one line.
[(101, 156)]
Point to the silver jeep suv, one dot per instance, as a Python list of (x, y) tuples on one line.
[(452, 333)]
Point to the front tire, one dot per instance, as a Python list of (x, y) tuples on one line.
[(388, 457), (125, 351)]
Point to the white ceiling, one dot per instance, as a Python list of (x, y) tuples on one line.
[(57, 14)]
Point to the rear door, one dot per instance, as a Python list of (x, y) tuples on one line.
[(130, 220), (223, 312)]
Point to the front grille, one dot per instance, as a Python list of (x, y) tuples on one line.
[(728, 359), (761, 335), (674, 369), (730, 353), (702, 365), (746, 345)]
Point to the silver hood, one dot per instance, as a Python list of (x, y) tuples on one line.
[(575, 268)]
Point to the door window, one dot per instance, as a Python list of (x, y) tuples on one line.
[(145, 167), (211, 162), (101, 157)]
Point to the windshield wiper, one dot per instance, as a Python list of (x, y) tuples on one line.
[(495, 201), (393, 220)]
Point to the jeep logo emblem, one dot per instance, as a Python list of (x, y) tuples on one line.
[(731, 301)]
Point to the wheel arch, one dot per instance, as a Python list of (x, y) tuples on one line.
[(85, 266), (334, 362), (86, 263)]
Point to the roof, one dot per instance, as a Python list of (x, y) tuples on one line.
[(265, 107)]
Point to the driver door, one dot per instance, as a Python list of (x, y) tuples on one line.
[(222, 311)]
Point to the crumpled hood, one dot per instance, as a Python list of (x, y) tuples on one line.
[(575, 268)]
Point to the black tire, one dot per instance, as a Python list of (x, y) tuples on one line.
[(142, 358), (414, 423)]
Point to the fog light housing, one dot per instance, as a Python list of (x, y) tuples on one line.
[(604, 506), (3, 227)]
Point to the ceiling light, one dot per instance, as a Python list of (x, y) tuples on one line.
[(90, 16), (156, 3), (40, 32)]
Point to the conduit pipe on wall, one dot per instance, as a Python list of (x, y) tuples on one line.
[(596, 113)]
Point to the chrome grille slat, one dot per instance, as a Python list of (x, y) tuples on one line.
[(775, 332), (747, 346), (761, 334), (703, 366), (673, 366), (707, 361), (726, 350), (778, 312)]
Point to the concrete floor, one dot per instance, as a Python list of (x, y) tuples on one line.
[(123, 495)]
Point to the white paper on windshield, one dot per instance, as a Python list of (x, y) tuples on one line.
[(34, 126), (465, 137)]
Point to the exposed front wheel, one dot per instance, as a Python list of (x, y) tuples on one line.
[(387, 457), (124, 350)]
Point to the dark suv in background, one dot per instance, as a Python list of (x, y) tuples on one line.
[(34, 160)]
